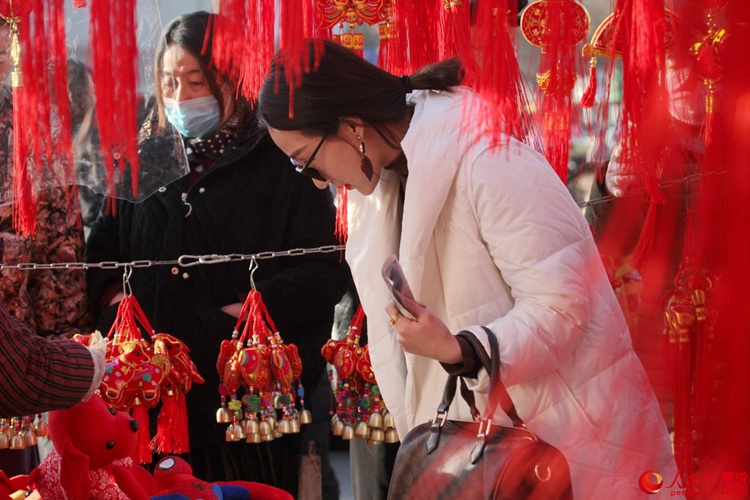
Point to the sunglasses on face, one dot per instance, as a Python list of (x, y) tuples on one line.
[(305, 168)]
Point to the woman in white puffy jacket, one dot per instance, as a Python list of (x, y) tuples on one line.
[(487, 235)]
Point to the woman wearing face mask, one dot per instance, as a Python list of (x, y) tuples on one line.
[(237, 198)]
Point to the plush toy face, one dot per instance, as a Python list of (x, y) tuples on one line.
[(96, 430)]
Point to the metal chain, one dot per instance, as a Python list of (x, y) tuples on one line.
[(183, 260)]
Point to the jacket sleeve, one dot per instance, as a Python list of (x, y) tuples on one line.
[(308, 286), (541, 245), (39, 374)]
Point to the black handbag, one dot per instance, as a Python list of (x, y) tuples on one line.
[(476, 460)]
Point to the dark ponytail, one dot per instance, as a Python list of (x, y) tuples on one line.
[(344, 85)]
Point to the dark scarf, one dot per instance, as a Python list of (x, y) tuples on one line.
[(211, 148)]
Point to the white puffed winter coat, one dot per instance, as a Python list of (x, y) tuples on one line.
[(490, 236)]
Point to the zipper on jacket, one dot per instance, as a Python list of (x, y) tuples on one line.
[(188, 205)]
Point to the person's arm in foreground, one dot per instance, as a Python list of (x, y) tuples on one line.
[(38, 375)]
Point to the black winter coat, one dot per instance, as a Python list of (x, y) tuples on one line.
[(251, 200)]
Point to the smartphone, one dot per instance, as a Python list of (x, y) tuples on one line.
[(395, 280)]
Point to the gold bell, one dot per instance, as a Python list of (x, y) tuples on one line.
[(294, 425), (338, 427), (348, 433), (251, 426), (375, 421), (222, 415), (277, 434), (264, 438), (305, 417), (388, 420), (284, 427), (362, 431), (272, 421), (391, 436), (4, 441), (17, 442), (377, 436), (252, 438), (239, 432), (277, 401), (228, 435), (264, 429), (30, 437), (41, 429)]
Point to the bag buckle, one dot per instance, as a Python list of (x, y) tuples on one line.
[(437, 423), (482, 433)]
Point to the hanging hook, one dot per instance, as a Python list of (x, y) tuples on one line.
[(127, 273), (253, 268)]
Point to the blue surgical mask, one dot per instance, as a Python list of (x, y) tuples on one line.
[(197, 117)]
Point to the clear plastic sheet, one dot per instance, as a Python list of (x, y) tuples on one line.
[(161, 152)]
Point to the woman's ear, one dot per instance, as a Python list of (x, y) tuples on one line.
[(351, 127)]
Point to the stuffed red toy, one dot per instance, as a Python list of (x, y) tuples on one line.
[(174, 480), (13, 488), (91, 459)]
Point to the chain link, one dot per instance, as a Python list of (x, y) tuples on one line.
[(183, 260)]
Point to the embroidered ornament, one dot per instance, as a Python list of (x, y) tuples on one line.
[(259, 364), (140, 373), (360, 411)]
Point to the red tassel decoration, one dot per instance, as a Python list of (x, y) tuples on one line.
[(497, 76), (342, 227), (455, 37), (589, 95), (114, 73), (24, 198), (142, 452), (172, 425), (417, 45), (388, 57)]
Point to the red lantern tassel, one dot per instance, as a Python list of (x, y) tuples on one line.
[(142, 452), (497, 76), (589, 95), (342, 226), (172, 425), (115, 52)]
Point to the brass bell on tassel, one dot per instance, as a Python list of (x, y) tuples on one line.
[(388, 421), (4, 441), (391, 436), (375, 421), (17, 442), (377, 436), (264, 438), (251, 426), (277, 434), (362, 431), (239, 432), (277, 403), (272, 421), (252, 438), (29, 437), (338, 427), (305, 417), (284, 427), (348, 433), (294, 425), (222, 415), (264, 429), (41, 429)]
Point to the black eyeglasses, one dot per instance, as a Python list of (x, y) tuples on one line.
[(305, 168)]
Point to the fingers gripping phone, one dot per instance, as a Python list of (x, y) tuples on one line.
[(395, 280)]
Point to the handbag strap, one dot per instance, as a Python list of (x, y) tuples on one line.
[(498, 392), (498, 395)]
